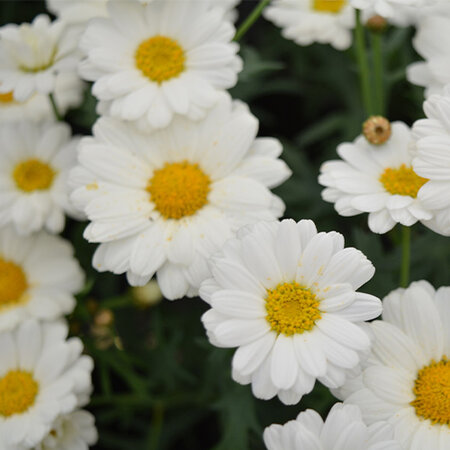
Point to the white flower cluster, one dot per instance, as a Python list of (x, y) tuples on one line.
[(45, 381), (175, 183)]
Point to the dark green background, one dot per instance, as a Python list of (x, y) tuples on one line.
[(169, 388)]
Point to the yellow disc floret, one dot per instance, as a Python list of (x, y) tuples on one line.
[(329, 6), (291, 308), (18, 391), (179, 189), (432, 391), (13, 283), (6, 98), (33, 175), (160, 58), (402, 181)]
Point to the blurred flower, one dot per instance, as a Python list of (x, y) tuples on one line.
[(147, 67), (145, 296), (431, 42), (385, 8), (165, 202), (33, 55), (42, 377), (38, 277), (342, 429), (102, 329), (74, 431), (406, 378), (34, 164), (79, 11), (378, 179), (309, 21), (433, 160), (104, 318), (286, 296), (402, 13), (68, 94)]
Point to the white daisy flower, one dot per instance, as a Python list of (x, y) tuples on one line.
[(68, 94), (286, 296), (34, 164), (32, 56), (386, 8), (42, 376), (414, 15), (405, 15), (152, 61), (430, 42), (165, 202), (74, 431), (343, 429), (377, 179), (79, 11), (309, 21), (28, 285), (433, 160), (406, 378)]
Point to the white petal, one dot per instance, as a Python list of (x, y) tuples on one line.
[(284, 366)]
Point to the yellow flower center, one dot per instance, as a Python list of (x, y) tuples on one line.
[(160, 58), (179, 189), (402, 181), (7, 98), (329, 6), (432, 391), (291, 308), (13, 283), (33, 175), (18, 391)]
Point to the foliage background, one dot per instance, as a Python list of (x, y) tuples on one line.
[(159, 384)]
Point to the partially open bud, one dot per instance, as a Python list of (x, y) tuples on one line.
[(377, 24), (104, 318), (377, 130), (148, 295)]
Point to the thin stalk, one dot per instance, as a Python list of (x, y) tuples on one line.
[(406, 256), (251, 19), (54, 107), (156, 426), (363, 64), (376, 40)]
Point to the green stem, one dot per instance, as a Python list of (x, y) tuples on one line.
[(156, 427), (406, 256), (55, 107), (376, 40), (251, 19), (363, 63)]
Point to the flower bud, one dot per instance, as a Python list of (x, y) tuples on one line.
[(377, 130)]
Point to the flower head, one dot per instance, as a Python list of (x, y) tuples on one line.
[(73, 431), (34, 164), (309, 21), (33, 55), (147, 67), (42, 376), (434, 72), (405, 379), (165, 202), (378, 179), (38, 277), (342, 429), (285, 295), (432, 160)]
